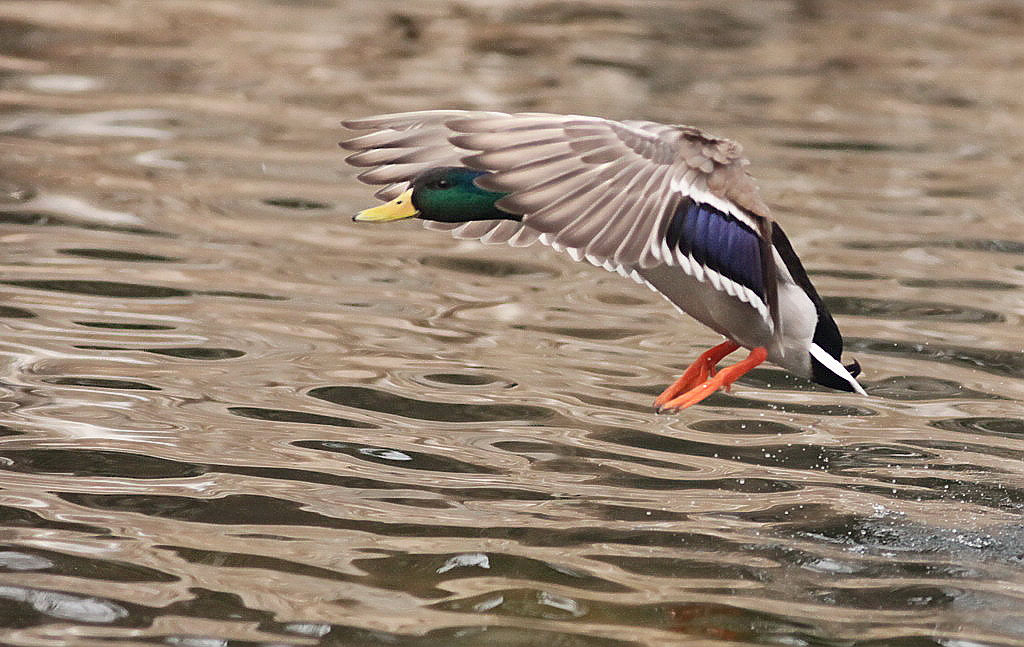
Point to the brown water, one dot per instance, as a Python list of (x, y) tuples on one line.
[(231, 416)]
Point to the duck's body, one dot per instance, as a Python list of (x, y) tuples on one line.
[(667, 206)]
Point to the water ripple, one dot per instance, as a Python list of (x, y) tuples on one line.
[(281, 415), (102, 288), (370, 399), (56, 563), (1006, 363), (404, 458), (231, 416), (910, 310)]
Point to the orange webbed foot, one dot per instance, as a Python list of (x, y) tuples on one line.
[(723, 379), (698, 372)]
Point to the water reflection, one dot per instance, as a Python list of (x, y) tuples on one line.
[(64, 607)]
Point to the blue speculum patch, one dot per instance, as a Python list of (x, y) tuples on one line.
[(719, 242)]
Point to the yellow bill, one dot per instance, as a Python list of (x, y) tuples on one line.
[(399, 208)]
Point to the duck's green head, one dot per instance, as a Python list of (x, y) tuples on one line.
[(443, 194)]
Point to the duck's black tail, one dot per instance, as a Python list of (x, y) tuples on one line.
[(827, 344)]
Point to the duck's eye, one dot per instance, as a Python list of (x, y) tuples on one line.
[(440, 184)]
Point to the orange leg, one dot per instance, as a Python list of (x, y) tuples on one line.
[(724, 378), (701, 369)]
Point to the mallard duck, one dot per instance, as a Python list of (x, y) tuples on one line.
[(670, 207)]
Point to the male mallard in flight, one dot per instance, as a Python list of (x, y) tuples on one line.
[(668, 206)]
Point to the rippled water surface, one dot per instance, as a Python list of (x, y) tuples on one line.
[(231, 416)]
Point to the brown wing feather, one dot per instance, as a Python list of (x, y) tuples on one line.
[(400, 146), (605, 190)]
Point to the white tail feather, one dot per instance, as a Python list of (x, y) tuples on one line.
[(834, 365)]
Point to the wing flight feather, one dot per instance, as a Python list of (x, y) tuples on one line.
[(599, 189)]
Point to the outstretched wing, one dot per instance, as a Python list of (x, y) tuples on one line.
[(401, 146), (623, 195)]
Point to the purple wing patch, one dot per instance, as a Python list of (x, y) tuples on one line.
[(718, 241)]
